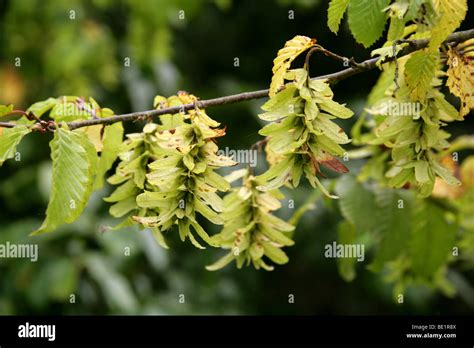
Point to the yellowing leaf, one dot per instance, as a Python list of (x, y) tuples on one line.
[(293, 48), (9, 140), (112, 141), (74, 163), (160, 102), (461, 77), (451, 13), (420, 69), (335, 13), (95, 136)]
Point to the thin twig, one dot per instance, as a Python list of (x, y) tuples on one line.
[(395, 78), (259, 144), (7, 124), (333, 78), (308, 56)]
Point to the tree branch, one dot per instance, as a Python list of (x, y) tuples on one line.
[(7, 124), (333, 78)]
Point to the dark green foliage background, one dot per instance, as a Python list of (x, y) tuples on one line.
[(85, 57)]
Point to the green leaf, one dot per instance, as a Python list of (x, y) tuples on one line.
[(188, 161), (280, 105), (336, 109), (69, 109), (357, 203), (170, 121), (207, 212), (309, 204), (393, 216), (117, 291), (367, 20), (400, 177), (331, 129), (311, 110), (159, 237), (222, 262), (336, 11), (447, 112), (404, 139), (299, 77), (432, 239), (393, 125), (112, 142), (444, 173), (9, 140), (217, 181), (267, 202), (276, 223), (5, 109), (63, 278), (121, 208), (39, 108), (123, 192), (330, 146), (276, 175), (422, 171), (275, 254), (276, 236), (346, 234), (384, 81), (319, 185), (74, 164), (201, 233), (395, 30), (420, 69)]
